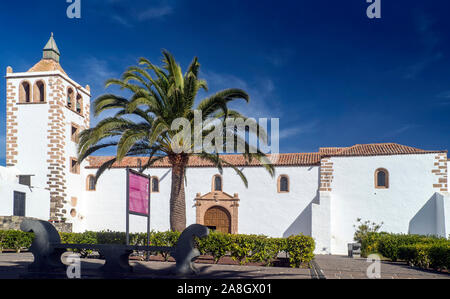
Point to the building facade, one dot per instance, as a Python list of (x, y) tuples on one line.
[(318, 194)]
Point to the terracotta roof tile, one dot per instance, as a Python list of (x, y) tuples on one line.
[(330, 150), (293, 159), (377, 149), (46, 65)]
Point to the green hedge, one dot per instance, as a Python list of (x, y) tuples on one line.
[(14, 239), (241, 248), (417, 250), (436, 256)]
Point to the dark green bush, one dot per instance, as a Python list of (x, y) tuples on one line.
[(389, 244), (14, 239), (415, 254), (265, 250), (420, 251), (242, 248), (300, 249), (168, 238), (216, 244), (369, 243), (439, 255)]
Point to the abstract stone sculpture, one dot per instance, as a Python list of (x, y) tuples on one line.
[(185, 252), (46, 257), (47, 249)]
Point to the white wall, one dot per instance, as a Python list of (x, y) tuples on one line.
[(262, 210), (32, 126), (354, 195), (37, 203)]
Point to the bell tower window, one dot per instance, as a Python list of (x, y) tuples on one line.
[(70, 100), (79, 104), (39, 92), (24, 92)]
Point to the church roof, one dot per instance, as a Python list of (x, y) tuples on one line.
[(195, 161), (50, 58), (375, 149), (292, 159), (51, 45), (46, 65)]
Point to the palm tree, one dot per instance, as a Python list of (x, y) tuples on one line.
[(141, 125)]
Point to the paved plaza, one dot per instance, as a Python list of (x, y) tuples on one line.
[(14, 265), (343, 267)]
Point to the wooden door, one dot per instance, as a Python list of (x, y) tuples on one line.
[(218, 218)]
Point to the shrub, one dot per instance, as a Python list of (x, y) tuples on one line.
[(389, 244), (87, 237), (370, 243), (241, 248), (168, 238), (110, 237), (217, 244), (300, 249), (415, 255), (439, 256), (14, 239), (365, 228), (266, 250)]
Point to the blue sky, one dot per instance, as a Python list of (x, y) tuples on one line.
[(333, 76)]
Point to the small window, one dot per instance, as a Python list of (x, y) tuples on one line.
[(25, 180), (70, 99), (381, 178), (155, 185), (19, 204), (74, 166), (24, 92), (90, 184), (74, 131), (39, 92), (283, 184), (217, 183), (79, 104)]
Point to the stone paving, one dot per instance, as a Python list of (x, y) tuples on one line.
[(14, 265), (343, 267)]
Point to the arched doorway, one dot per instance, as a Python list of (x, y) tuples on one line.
[(218, 218)]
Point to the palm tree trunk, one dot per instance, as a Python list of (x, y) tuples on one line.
[(177, 195)]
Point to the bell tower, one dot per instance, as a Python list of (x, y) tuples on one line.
[(45, 110)]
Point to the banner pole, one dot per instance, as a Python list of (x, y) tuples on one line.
[(148, 217), (128, 208)]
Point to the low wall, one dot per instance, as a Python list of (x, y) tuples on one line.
[(13, 223)]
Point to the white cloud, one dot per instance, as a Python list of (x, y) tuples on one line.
[(430, 40), (122, 13), (263, 100), (402, 129), (297, 130), (155, 13)]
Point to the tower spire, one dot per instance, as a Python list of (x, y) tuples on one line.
[(51, 50)]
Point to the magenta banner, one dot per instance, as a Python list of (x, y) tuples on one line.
[(138, 193)]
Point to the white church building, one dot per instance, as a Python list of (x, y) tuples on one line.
[(319, 194)]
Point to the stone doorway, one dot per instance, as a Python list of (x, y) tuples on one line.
[(218, 218), (218, 210)]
